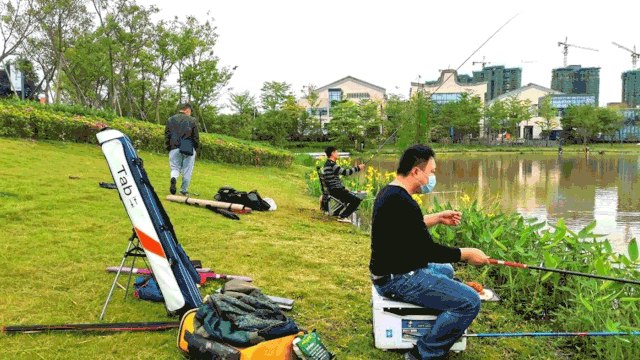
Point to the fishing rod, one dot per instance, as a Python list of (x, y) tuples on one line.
[(436, 192), (137, 326), (567, 272), (438, 88), (553, 334)]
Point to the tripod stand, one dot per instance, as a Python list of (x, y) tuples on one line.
[(134, 250)]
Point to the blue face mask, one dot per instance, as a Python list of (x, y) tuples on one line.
[(427, 188)]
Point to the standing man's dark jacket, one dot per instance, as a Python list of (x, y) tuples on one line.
[(332, 172), (181, 126)]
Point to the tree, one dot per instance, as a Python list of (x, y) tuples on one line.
[(202, 76), (391, 116), (274, 94), (133, 34), (549, 117), (610, 120), (204, 81), (417, 120), (61, 22), (583, 120), (469, 114), (17, 23), (462, 115), (518, 111), (242, 102), (347, 126), (495, 117), (164, 48), (35, 48), (371, 113), (312, 98), (276, 126)]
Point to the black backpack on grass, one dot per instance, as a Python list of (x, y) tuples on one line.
[(251, 199)]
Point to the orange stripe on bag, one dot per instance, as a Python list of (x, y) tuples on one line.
[(150, 244)]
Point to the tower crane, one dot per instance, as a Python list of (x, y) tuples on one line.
[(634, 54), (565, 51), (481, 62)]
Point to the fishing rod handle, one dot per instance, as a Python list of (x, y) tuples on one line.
[(508, 263)]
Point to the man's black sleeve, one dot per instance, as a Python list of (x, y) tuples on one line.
[(167, 135), (196, 137)]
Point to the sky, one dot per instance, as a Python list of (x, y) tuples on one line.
[(391, 44)]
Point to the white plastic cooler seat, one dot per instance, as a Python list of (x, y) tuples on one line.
[(398, 325)]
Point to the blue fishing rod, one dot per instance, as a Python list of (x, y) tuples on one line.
[(552, 334)]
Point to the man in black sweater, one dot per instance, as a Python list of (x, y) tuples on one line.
[(182, 140), (331, 173), (407, 265)]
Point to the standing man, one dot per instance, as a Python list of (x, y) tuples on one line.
[(407, 265), (182, 141), (331, 173)]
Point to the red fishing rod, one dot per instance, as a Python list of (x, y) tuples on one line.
[(567, 272)]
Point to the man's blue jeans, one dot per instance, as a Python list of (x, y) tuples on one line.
[(433, 287)]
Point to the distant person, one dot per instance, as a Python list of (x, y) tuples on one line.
[(331, 173), (182, 141), (407, 265)]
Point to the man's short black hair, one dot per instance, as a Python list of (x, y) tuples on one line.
[(185, 106), (329, 150), (414, 156)]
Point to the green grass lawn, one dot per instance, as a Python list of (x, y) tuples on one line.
[(59, 234)]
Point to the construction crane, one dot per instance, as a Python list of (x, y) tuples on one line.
[(634, 54), (481, 62), (566, 49)]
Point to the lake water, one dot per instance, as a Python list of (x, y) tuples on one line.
[(548, 187)]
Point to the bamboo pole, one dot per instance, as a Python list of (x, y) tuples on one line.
[(238, 208)]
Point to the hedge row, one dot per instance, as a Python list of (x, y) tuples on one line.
[(36, 122)]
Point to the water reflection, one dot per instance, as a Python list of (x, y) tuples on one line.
[(575, 187)]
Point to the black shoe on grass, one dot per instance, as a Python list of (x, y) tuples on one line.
[(172, 188)]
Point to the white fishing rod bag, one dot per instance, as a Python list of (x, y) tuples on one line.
[(174, 272)]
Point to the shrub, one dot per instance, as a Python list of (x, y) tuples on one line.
[(38, 122)]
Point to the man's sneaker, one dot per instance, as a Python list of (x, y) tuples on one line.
[(412, 354), (172, 188), (184, 193)]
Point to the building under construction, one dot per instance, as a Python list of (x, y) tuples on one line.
[(575, 79), (631, 88), (499, 80)]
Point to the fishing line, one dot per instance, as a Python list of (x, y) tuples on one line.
[(438, 88)]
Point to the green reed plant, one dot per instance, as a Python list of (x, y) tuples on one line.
[(558, 302), (567, 303)]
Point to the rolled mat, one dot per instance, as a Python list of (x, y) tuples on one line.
[(237, 208)]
